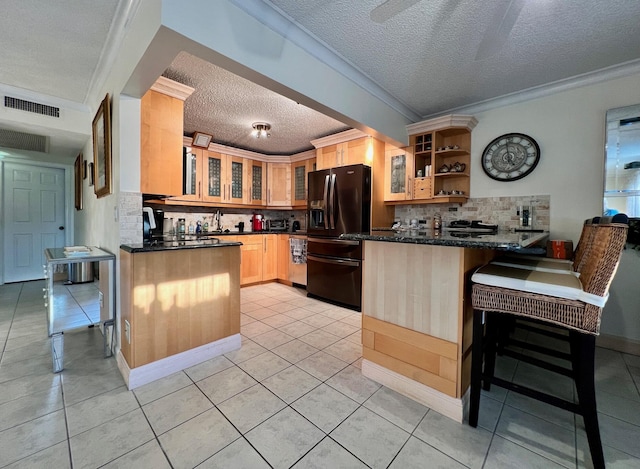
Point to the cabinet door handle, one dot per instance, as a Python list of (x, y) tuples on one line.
[(199, 189), (264, 242), (268, 196), (409, 187)]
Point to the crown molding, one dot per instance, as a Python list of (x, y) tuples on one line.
[(278, 21), (252, 155), (451, 120), (340, 137), (592, 78), (172, 88), (125, 11)]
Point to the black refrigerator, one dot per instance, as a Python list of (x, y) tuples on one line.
[(339, 202)]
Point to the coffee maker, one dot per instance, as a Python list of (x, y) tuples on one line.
[(257, 222), (152, 223)]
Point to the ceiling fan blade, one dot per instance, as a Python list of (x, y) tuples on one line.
[(497, 34), (389, 9)]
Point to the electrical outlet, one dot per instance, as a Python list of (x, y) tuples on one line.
[(127, 331), (453, 209), (101, 298)]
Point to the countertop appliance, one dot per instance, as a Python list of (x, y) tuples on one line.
[(257, 222), (471, 226), (278, 225), (339, 202)]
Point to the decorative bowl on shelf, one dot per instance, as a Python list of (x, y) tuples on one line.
[(444, 169)]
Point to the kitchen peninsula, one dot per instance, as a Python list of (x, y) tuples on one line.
[(417, 313), (180, 306)]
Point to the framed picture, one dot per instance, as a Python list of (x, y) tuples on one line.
[(102, 149), (90, 171), (84, 169), (78, 181)]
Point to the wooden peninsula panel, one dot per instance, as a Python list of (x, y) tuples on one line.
[(177, 300), (416, 311)]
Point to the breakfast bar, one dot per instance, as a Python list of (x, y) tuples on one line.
[(416, 309)]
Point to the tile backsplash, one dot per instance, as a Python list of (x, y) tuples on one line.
[(230, 217), (501, 211)]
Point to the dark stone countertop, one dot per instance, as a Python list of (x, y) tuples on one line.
[(507, 240), (172, 245)]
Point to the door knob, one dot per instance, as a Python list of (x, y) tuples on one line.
[(61, 228)]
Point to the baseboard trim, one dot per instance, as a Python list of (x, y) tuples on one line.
[(454, 408), (141, 375), (619, 344)]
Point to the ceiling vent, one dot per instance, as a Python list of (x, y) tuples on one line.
[(23, 141), (30, 106)]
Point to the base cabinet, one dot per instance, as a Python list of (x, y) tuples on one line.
[(258, 257), (167, 301)]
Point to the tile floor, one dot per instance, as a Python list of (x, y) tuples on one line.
[(292, 396)]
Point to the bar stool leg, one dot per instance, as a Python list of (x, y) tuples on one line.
[(583, 358), (476, 367), (492, 320)]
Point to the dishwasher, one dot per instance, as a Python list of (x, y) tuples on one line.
[(298, 259)]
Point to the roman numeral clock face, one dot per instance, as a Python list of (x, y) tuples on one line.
[(510, 157)]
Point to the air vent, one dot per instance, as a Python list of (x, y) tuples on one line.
[(23, 141), (30, 106)]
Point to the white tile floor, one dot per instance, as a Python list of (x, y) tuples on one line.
[(292, 396)]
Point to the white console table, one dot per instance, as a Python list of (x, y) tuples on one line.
[(56, 256)]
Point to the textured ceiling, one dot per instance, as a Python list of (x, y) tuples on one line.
[(53, 47), (424, 57), (226, 105)]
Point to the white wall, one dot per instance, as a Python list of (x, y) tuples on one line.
[(570, 128)]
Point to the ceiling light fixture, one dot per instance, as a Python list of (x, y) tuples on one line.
[(261, 130)]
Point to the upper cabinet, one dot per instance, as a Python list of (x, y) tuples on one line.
[(257, 180), (343, 149), (435, 168), (279, 184), (213, 177), (161, 126), (299, 189)]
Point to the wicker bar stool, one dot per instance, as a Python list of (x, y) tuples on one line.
[(571, 303)]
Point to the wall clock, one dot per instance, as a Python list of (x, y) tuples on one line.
[(510, 157)]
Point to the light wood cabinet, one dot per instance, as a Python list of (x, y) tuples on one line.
[(356, 151), (435, 168), (299, 189), (214, 177), (269, 257), (258, 257), (278, 184), (398, 172), (167, 305), (283, 257), (256, 178), (161, 127)]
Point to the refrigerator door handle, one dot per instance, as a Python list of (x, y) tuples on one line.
[(333, 261), (332, 202), (325, 199)]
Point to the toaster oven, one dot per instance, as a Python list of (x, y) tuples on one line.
[(278, 225)]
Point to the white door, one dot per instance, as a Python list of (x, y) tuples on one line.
[(33, 218)]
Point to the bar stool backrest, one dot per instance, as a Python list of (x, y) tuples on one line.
[(602, 256), (585, 240)]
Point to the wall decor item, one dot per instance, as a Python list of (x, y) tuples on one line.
[(201, 139), (78, 181), (90, 171), (102, 149), (510, 157), (84, 169)]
